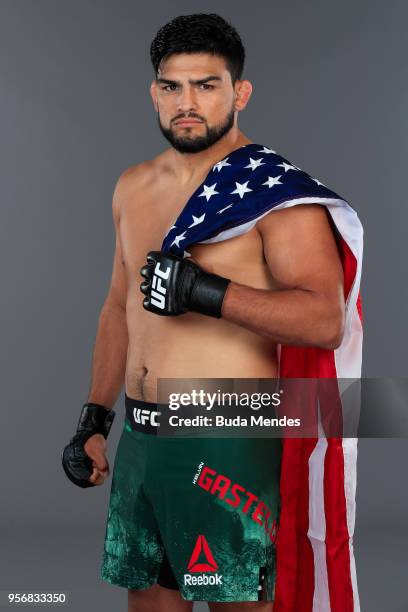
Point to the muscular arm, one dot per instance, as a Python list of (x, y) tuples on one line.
[(308, 308), (109, 356)]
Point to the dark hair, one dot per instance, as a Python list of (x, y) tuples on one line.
[(200, 33)]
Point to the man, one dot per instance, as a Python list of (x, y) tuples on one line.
[(222, 288)]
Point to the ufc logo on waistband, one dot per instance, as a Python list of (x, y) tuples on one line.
[(158, 291), (143, 417)]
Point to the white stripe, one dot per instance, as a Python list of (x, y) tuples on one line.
[(350, 482), (246, 227), (349, 226), (317, 526), (353, 571), (349, 354)]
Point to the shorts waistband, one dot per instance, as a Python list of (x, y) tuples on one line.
[(143, 416)]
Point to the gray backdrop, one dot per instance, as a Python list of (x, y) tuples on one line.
[(330, 93)]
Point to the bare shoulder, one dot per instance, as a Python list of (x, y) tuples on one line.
[(301, 223), (298, 243), (139, 179), (301, 219), (132, 179)]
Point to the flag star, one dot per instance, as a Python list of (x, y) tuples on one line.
[(273, 180), (222, 209), (254, 163), (288, 166), (208, 192), (318, 182), (186, 254), (241, 189), (177, 239), (172, 227), (197, 220), (266, 150), (221, 164)]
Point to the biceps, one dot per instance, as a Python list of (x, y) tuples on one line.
[(301, 251)]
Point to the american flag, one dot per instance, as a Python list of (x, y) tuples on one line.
[(316, 569)]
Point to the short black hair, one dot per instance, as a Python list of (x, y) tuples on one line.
[(200, 33)]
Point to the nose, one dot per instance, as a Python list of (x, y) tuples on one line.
[(186, 101)]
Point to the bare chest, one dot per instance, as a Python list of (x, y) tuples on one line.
[(143, 226)]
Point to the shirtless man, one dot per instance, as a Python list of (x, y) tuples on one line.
[(284, 285)]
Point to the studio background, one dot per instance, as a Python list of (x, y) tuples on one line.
[(330, 94)]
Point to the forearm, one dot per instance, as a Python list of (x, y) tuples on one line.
[(292, 317), (109, 356)]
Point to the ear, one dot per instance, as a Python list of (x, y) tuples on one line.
[(153, 93), (243, 91)]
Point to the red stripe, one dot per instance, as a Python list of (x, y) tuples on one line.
[(305, 585), (360, 307), (349, 263), (286, 544)]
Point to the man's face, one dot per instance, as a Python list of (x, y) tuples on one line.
[(194, 99)]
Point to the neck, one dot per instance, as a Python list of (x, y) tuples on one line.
[(191, 166)]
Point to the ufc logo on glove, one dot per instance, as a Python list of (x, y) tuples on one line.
[(158, 292), (174, 285)]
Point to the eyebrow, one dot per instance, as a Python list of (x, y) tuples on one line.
[(191, 81)]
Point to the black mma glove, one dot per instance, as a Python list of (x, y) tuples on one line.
[(175, 285), (93, 419)]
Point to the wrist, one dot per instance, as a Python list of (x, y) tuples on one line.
[(95, 418), (208, 294), (232, 298)]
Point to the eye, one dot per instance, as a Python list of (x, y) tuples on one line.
[(171, 87), (206, 86)]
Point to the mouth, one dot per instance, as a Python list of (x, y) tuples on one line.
[(187, 122)]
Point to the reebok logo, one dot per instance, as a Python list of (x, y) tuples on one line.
[(142, 416), (158, 290), (202, 561), (201, 547)]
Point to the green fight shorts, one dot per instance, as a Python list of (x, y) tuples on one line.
[(199, 515)]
